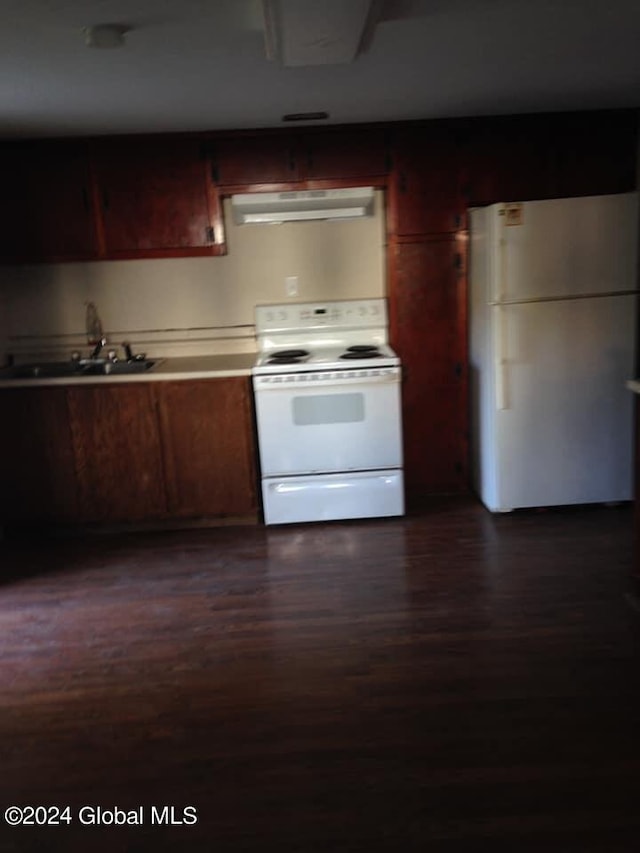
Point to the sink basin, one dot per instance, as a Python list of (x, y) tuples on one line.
[(115, 368), (85, 367), (45, 370)]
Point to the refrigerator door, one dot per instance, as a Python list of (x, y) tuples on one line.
[(565, 247), (564, 432)]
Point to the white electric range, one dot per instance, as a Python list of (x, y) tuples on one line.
[(327, 393)]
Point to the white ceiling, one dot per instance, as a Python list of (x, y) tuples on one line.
[(202, 65)]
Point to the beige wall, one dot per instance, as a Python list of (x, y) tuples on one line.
[(162, 304)]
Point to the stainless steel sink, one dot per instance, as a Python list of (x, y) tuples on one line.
[(45, 370), (109, 368), (84, 367)]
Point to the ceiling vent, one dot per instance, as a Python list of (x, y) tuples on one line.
[(303, 205)]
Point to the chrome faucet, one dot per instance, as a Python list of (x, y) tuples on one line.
[(131, 356), (95, 352)]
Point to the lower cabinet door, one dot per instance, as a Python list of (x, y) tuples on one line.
[(207, 438), (117, 452), (37, 478)]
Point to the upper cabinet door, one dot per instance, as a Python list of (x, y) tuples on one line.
[(155, 197), (522, 158), (344, 155), (425, 190), (46, 212), (250, 160), (280, 158), (597, 153), (510, 158)]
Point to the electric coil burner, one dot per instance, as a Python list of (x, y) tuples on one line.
[(288, 356), (329, 433), (361, 351)]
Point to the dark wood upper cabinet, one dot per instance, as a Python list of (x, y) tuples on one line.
[(344, 155), (249, 160), (159, 195), (46, 211), (425, 190), (509, 158), (282, 158), (597, 153), (155, 197), (522, 158)]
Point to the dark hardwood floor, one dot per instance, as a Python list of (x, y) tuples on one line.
[(450, 681)]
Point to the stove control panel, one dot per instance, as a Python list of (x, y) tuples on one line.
[(307, 316)]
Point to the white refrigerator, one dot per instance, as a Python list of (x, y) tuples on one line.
[(552, 336)]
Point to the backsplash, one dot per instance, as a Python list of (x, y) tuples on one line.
[(192, 306)]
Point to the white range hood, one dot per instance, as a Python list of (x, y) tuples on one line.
[(351, 203)]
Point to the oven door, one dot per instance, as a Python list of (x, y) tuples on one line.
[(329, 422)]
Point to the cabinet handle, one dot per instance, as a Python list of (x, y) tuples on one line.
[(208, 234)]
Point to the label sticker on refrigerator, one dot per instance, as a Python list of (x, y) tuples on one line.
[(512, 214)]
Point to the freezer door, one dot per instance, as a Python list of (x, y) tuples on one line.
[(566, 247), (563, 434)]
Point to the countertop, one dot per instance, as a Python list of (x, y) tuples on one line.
[(182, 367)]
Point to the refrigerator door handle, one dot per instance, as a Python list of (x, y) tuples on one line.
[(499, 360), (501, 386)]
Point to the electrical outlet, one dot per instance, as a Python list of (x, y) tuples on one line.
[(291, 285)]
